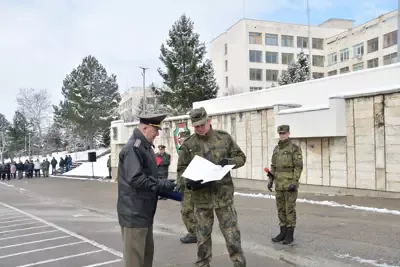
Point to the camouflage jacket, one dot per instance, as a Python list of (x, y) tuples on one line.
[(214, 146), (286, 165)]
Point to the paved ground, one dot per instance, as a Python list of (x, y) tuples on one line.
[(56, 221)]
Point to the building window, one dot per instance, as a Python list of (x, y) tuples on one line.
[(318, 43), (332, 73), (358, 50), (332, 59), (318, 61), (255, 56), (271, 39), (255, 88), (226, 49), (372, 63), (390, 39), (372, 45), (256, 74), (255, 38), (271, 75), (271, 57), (389, 59), (302, 42), (226, 65), (344, 70), (226, 82), (318, 75), (287, 58), (358, 66), (344, 54), (287, 41)]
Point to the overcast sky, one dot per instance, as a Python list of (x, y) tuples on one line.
[(41, 41)]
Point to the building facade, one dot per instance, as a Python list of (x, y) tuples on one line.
[(252, 54), (130, 102)]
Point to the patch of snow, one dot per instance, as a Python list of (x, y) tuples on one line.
[(325, 203), (364, 261), (99, 168)]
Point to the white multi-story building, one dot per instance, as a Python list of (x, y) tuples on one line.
[(252, 54), (130, 101)]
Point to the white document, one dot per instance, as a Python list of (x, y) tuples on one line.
[(202, 169)]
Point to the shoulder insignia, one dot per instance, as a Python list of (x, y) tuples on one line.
[(137, 143)]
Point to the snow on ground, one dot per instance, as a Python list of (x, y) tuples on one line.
[(99, 167), (325, 203), (76, 156)]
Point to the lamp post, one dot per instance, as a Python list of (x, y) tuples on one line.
[(144, 88), (310, 42)]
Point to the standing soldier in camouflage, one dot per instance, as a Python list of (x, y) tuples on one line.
[(187, 209), (218, 147), (286, 166)]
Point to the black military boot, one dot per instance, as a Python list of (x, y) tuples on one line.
[(281, 236), (289, 236), (189, 238)]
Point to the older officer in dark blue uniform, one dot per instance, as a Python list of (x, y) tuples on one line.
[(138, 184)]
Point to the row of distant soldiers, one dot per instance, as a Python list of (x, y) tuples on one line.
[(13, 169), (30, 167)]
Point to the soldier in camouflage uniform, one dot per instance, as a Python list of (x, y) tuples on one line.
[(218, 147), (286, 166), (187, 209)]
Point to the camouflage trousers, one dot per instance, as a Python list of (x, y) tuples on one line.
[(286, 206), (187, 212), (227, 218)]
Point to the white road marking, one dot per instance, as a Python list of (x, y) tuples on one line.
[(92, 242), (41, 249), (12, 217), (36, 241), (103, 263), (18, 224), (23, 229), (20, 220), (61, 258), (37, 233)]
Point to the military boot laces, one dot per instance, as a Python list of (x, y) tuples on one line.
[(281, 236), (189, 238), (289, 236)]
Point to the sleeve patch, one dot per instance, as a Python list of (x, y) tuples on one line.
[(137, 143)]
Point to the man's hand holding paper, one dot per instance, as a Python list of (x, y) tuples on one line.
[(202, 169)]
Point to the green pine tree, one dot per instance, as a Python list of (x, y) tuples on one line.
[(187, 76), (19, 133), (297, 71), (4, 136), (91, 99)]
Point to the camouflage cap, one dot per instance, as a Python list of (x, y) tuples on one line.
[(198, 116), (283, 128)]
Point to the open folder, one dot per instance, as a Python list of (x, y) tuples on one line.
[(202, 169)]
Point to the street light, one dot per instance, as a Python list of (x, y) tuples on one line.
[(310, 42), (144, 88)]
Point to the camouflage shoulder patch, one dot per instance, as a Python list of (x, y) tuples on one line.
[(137, 143)]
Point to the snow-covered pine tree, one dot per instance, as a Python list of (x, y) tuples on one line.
[(297, 71), (4, 135), (187, 76), (91, 99), (18, 135)]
